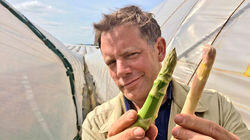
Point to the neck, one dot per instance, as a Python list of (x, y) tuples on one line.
[(138, 105)]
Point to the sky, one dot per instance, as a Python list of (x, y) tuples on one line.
[(71, 21)]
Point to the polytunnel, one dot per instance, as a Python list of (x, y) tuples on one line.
[(45, 87), (99, 82), (41, 82)]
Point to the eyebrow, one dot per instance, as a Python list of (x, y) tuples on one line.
[(109, 59), (128, 51), (125, 53)]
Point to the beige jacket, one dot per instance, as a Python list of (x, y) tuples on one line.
[(212, 106)]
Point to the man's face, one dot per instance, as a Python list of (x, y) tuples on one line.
[(132, 62)]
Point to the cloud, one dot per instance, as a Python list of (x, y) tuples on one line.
[(39, 13), (71, 21), (37, 7)]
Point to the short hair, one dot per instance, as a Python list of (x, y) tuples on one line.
[(147, 25)]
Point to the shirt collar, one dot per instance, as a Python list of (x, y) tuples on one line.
[(177, 93), (129, 105)]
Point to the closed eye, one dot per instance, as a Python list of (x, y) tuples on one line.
[(109, 63), (132, 54)]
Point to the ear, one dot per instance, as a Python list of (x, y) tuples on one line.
[(160, 45)]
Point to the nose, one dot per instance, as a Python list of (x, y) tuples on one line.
[(122, 68)]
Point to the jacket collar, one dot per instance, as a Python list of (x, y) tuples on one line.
[(179, 96), (180, 92), (118, 110)]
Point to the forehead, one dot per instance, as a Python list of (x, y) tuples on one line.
[(120, 33), (123, 37)]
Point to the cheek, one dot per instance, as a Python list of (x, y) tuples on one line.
[(151, 69), (144, 65), (113, 76), (140, 64)]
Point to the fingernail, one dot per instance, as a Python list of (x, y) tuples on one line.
[(139, 133), (178, 119), (130, 116), (175, 132)]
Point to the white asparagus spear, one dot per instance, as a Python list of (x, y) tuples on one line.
[(199, 80)]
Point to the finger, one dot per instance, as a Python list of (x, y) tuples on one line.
[(203, 126), (126, 120), (152, 132), (135, 133), (181, 133)]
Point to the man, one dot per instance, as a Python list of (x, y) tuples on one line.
[(133, 49)]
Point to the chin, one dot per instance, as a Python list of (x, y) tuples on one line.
[(135, 96)]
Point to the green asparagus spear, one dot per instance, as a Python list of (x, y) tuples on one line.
[(149, 111)]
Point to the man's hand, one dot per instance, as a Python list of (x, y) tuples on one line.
[(119, 131), (193, 127)]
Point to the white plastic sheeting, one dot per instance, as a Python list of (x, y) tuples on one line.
[(35, 94), (105, 87), (189, 24), (82, 49)]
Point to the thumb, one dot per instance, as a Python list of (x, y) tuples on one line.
[(135, 133)]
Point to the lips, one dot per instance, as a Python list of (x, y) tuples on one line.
[(132, 82)]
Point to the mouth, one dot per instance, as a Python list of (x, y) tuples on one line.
[(133, 82)]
